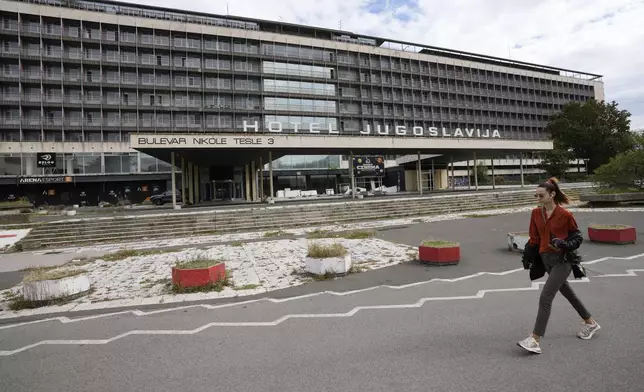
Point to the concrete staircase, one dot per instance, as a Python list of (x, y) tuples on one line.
[(88, 231)]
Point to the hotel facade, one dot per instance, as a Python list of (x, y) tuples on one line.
[(80, 78)]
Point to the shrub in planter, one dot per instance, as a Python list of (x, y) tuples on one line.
[(328, 259), (44, 284), (198, 273), (439, 252), (612, 234)]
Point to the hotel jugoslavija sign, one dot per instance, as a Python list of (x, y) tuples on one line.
[(258, 141)]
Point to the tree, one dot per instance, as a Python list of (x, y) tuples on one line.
[(593, 130), (626, 170), (556, 162), (481, 174)]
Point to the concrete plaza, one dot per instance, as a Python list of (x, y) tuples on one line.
[(455, 333)]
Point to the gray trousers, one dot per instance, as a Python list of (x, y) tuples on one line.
[(558, 273)]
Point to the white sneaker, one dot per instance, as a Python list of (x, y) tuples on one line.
[(530, 344), (588, 330)]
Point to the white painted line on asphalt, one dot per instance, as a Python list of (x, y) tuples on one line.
[(136, 312), (630, 272), (479, 295)]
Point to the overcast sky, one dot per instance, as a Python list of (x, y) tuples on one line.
[(598, 36)]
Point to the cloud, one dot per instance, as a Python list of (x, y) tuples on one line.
[(596, 36)]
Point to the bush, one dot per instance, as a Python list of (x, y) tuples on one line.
[(624, 171), (319, 251)]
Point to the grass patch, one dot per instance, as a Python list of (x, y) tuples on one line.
[(237, 243), (246, 287), (328, 275), (358, 235), (127, 253), (197, 263), (319, 234), (40, 274), (216, 286), (614, 191), (148, 283), (352, 235), (439, 244), (320, 251), (609, 227), (479, 215), (278, 233)]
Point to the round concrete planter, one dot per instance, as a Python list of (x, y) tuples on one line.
[(198, 277), (612, 234), (332, 265), (439, 252), (45, 290), (517, 241)]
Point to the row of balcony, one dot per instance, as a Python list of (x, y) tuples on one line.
[(132, 58), (55, 101), (38, 122), (343, 95)]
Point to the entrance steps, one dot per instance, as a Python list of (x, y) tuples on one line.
[(89, 231)]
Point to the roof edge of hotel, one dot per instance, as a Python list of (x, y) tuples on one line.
[(445, 52)]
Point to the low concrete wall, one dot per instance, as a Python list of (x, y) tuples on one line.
[(611, 197)]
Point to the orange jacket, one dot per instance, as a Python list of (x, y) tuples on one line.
[(558, 225)]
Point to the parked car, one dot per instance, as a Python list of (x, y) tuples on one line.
[(165, 197)]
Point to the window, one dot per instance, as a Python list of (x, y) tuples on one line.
[(301, 105), (297, 70)]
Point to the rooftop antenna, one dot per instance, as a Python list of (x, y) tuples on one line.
[(227, 13), (340, 23)]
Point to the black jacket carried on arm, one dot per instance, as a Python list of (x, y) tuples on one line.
[(531, 258)]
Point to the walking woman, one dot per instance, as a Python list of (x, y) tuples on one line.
[(554, 237)]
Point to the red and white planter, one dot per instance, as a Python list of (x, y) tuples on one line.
[(439, 252), (612, 234), (198, 277)]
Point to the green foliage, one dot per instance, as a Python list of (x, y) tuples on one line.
[(594, 130), (481, 173), (556, 162), (625, 171)]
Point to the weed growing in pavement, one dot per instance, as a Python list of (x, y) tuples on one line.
[(351, 235), (247, 287), (127, 253), (279, 233)]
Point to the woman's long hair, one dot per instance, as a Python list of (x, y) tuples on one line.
[(552, 185)]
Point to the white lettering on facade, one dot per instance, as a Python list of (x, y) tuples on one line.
[(401, 130), (398, 130), (275, 126), (255, 126)]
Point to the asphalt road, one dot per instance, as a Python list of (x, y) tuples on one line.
[(438, 336)]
